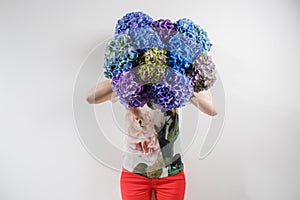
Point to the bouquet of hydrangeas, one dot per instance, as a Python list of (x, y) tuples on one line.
[(158, 63)]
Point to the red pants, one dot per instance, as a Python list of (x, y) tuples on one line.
[(137, 187)]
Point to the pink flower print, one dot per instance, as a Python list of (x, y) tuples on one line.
[(141, 133)]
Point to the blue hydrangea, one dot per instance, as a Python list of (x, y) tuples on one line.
[(145, 38), (177, 62), (132, 20), (184, 46), (120, 55), (117, 65), (195, 32)]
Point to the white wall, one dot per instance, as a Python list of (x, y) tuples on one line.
[(256, 48)]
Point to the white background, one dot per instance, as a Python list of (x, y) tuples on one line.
[(256, 48)]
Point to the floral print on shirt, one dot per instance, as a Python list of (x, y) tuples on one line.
[(150, 142)]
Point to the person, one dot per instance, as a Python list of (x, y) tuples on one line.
[(152, 160)]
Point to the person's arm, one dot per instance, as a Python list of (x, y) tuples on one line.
[(203, 102), (101, 93)]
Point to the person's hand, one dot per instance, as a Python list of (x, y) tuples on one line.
[(101, 93), (202, 100)]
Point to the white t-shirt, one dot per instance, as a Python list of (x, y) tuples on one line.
[(152, 144)]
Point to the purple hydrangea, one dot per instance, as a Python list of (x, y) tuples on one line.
[(130, 91), (164, 28), (202, 73), (173, 91)]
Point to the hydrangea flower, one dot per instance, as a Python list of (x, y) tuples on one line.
[(145, 38), (132, 20), (202, 73), (120, 55), (158, 63), (195, 32), (184, 46), (164, 28), (130, 91), (150, 73), (153, 55), (177, 62), (173, 91), (152, 65)]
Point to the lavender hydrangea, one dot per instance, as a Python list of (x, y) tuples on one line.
[(202, 73), (164, 28), (120, 55), (173, 91), (130, 91), (132, 20)]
